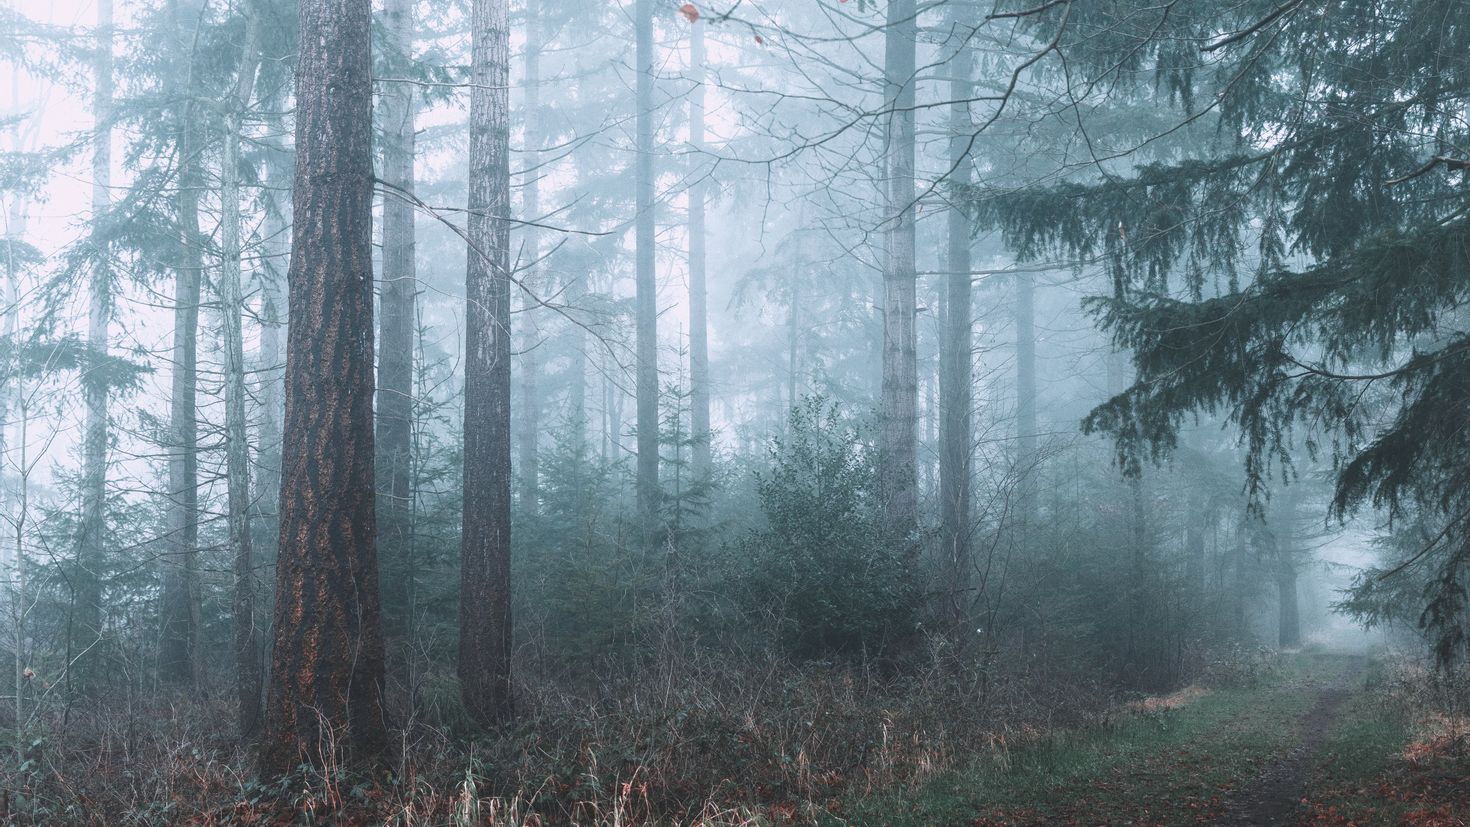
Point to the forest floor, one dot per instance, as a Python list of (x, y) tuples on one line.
[(1320, 742)]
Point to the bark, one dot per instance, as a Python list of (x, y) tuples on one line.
[(956, 366), (327, 660), (237, 446), (699, 390), (484, 593), (646, 287), (87, 622), (399, 288), (898, 403), (530, 361)]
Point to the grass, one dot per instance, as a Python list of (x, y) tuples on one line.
[(1173, 766)]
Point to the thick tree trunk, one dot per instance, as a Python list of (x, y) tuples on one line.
[(87, 623), (955, 373), (237, 445), (898, 405), (699, 390), (530, 352), (327, 660), (484, 590), (397, 320), (646, 287)]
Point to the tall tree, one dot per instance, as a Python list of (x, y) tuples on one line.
[(484, 586), (1026, 436), (955, 379), (398, 319), (646, 281), (237, 446), (699, 389), (530, 354), (327, 660), (181, 662), (898, 402), (92, 535)]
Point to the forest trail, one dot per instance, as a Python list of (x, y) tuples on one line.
[(1311, 742), (1278, 795)]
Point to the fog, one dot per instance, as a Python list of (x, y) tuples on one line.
[(496, 385)]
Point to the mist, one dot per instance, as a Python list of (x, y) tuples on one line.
[(760, 413)]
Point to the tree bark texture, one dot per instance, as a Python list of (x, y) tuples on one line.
[(484, 591), (327, 661)]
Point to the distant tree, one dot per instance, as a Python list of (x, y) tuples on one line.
[(899, 400), (646, 281)]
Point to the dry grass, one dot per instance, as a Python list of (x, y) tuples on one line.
[(699, 740)]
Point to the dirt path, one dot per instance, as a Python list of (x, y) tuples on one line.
[(1275, 796)]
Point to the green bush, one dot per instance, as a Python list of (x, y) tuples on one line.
[(820, 565)]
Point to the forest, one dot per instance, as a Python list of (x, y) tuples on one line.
[(734, 412)]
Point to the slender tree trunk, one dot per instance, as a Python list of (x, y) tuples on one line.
[(793, 342), (327, 661), (484, 590), (530, 356), (898, 405), (398, 296), (181, 661), (237, 445), (646, 288), (87, 628), (1026, 436), (699, 390), (955, 373)]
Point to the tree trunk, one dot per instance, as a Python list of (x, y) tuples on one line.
[(87, 628), (398, 295), (1026, 436), (699, 390), (646, 287), (181, 661), (237, 445), (530, 354), (484, 591), (898, 405), (955, 374), (327, 660)]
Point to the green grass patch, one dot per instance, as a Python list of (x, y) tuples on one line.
[(1166, 767)]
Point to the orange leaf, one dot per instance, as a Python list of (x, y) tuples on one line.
[(690, 12)]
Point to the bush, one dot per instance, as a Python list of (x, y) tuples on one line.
[(820, 565)]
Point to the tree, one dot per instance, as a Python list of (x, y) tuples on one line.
[(955, 375), (237, 446), (327, 661), (91, 542), (646, 286), (698, 289), (181, 662), (1298, 263), (899, 395), (484, 589), (398, 314)]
